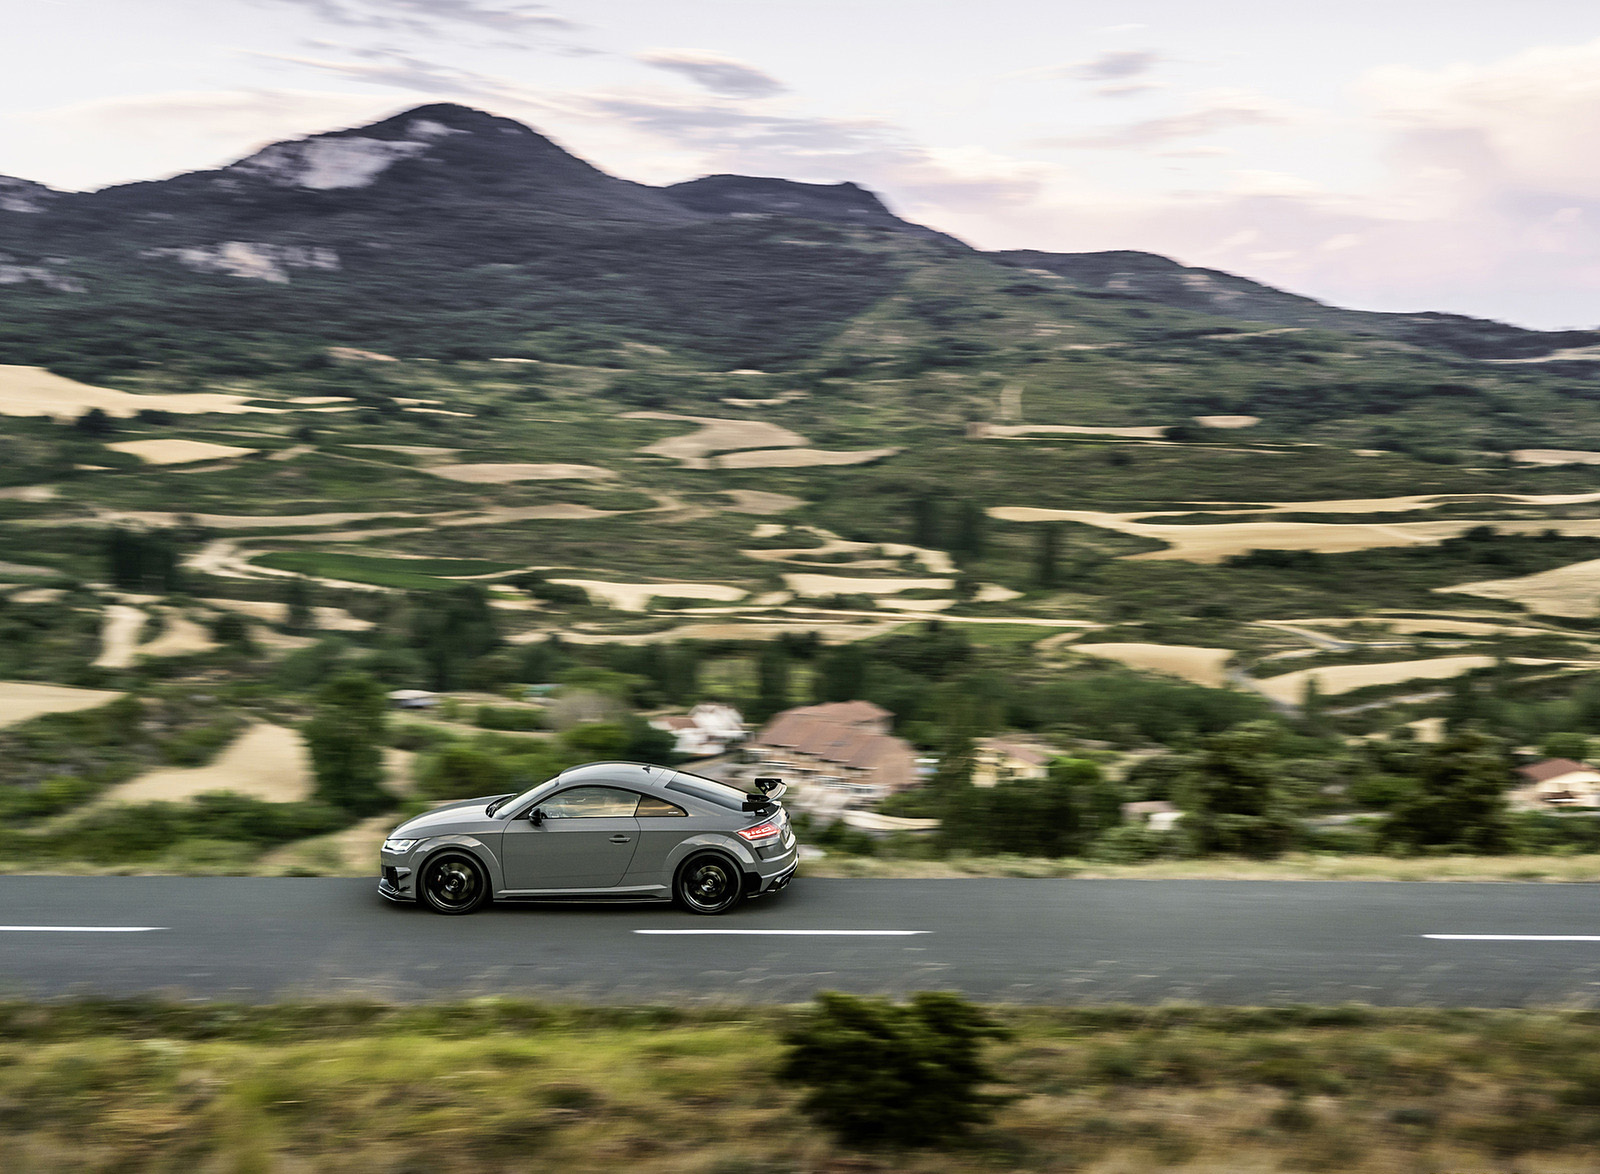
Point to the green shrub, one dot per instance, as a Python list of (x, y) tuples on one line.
[(881, 1074), (508, 717)]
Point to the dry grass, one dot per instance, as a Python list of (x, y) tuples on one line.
[(1572, 590), (637, 596), (1203, 666), (808, 584), (33, 391), (1290, 688), (1294, 866), (22, 700), (799, 458), (507, 474), (266, 762), (504, 1086), (179, 452)]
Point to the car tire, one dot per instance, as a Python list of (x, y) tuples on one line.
[(708, 883), (453, 883)]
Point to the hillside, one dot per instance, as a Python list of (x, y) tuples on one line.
[(435, 400)]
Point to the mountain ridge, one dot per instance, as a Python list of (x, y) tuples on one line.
[(442, 213)]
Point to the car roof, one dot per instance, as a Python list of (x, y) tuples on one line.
[(632, 774)]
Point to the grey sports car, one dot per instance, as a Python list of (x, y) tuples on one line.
[(604, 831)]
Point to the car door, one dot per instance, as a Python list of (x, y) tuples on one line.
[(662, 827), (585, 840)]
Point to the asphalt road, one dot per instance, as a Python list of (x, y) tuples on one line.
[(1048, 941)]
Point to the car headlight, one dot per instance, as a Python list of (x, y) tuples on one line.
[(399, 845)]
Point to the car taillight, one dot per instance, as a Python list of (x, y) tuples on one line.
[(761, 833)]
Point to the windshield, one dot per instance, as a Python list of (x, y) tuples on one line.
[(710, 790), (515, 802)]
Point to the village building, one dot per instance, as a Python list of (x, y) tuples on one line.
[(709, 728), (1555, 784), (1004, 760), (837, 755), (1156, 814)]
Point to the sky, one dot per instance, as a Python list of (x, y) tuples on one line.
[(1395, 155)]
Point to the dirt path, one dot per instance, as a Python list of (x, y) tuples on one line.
[(119, 636)]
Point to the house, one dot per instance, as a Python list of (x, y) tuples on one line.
[(842, 749), (1001, 760), (1555, 784), (708, 728), (413, 699), (1156, 814)]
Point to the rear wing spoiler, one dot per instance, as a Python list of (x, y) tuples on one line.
[(772, 790)]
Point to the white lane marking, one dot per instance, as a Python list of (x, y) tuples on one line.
[(1513, 937), (790, 933), (80, 928)]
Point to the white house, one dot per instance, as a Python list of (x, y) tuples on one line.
[(1556, 784), (709, 728)]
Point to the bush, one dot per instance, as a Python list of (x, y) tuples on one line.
[(507, 717), (881, 1074)]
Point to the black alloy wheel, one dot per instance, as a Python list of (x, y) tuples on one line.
[(709, 883), (454, 882)]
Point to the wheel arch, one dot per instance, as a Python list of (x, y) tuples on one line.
[(471, 846)]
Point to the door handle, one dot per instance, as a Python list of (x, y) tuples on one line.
[(620, 839)]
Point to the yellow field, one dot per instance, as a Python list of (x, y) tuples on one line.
[(637, 596), (179, 452), (22, 700), (33, 391), (799, 458), (1203, 666), (1572, 590), (1290, 688), (505, 474)]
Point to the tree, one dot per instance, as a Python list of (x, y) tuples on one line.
[(94, 422), (1232, 798), (842, 674), (1573, 746), (1044, 557), (772, 692), (451, 629), (297, 600), (925, 521), (886, 1075), (968, 540), (346, 738), (1457, 798)]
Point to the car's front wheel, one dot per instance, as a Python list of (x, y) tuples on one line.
[(709, 883), (453, 882)]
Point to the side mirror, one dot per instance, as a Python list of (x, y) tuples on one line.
[(536, 817)]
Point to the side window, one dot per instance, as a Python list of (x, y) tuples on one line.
[(589, 803), (649, 805)]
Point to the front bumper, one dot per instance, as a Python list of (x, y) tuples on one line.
[(395, 884)]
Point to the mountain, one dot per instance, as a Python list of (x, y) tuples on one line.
[(449, 232), (1153, 278), (837, 203)]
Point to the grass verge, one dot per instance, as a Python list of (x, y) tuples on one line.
[(506, 1085), (1289, 867)]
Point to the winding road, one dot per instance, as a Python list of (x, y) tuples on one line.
[(1038, 941)]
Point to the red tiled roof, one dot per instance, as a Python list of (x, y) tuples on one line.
[(834, 733), (1550, 768)]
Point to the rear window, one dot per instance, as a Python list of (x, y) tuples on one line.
[(712, 792)]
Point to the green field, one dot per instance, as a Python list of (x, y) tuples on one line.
[(422, 574)]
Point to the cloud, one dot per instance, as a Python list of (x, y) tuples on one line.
[(1219, 111), (720, 75), (147, 135), (427, 16), (391, 67), (1115, 65)]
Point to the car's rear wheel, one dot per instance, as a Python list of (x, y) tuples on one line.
[(453, 882), (709, 883)]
